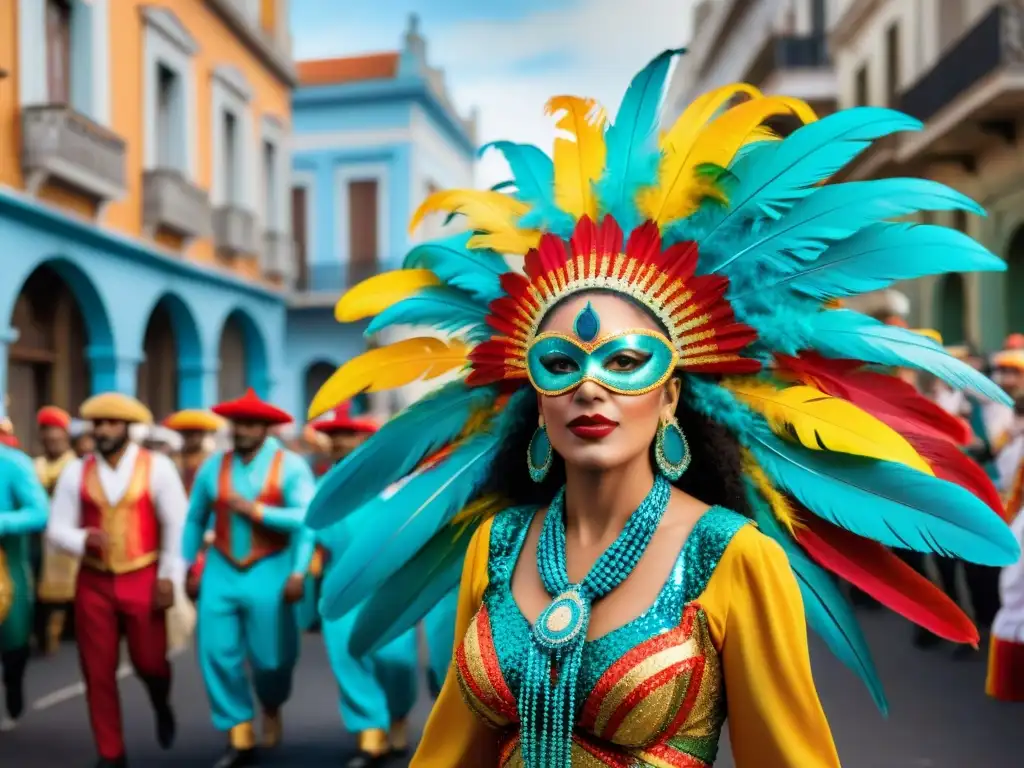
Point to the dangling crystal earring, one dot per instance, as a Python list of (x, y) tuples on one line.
[(671, 451), (539, 455)]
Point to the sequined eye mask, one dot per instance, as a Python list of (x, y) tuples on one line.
[(631, 362)]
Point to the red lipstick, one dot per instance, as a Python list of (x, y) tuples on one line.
[(592, 427)]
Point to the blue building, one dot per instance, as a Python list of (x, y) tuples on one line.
[(144, 232), (373, 135)]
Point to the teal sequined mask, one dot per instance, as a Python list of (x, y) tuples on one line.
[(631, 362)]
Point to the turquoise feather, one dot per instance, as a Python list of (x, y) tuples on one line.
[(404, 520), (828, 612), (632, 158), (534, 173), (832, 213), (881, 254), (441, 307), (411, 593), (476, 271), (887, 502), (771, 182), (843, 333), (395, 451)]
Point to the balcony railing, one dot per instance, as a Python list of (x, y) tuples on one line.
[(340, 276), (279, 256), (172, 203), (234, 231), (59, 143), (994, 42), (787, 52)]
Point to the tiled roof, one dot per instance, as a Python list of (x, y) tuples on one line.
[(350, 69)]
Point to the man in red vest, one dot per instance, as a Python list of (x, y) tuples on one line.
[(122, 510), (256, 496)]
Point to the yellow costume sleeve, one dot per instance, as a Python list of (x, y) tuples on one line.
[(756, 617), (453, 735)]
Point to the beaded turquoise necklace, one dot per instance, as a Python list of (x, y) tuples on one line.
[(547, 704)]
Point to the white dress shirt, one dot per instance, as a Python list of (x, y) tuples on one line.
[(165, 488)]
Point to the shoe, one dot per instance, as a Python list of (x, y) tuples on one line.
[(117, 762), (399, 738), (166, 726), (236, 758), (365, 760), (273, 729), (14, 663), (924, 639)]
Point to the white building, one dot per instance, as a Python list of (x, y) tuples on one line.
[(778, 45), (957, 65)]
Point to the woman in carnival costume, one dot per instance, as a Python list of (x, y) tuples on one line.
[(663, 442)]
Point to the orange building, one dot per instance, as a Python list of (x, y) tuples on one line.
[(144, 206)]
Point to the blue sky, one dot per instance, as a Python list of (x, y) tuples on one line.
[(506, 57)]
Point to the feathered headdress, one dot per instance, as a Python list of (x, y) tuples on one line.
[(733, 238)]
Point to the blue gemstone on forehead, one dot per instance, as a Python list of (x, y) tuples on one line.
[(587, 323)]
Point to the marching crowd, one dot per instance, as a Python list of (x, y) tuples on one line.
[(120, 524), (114, 531)]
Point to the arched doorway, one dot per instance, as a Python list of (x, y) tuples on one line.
[(951, 296), (1014, 282), (232, 380), (243, 358), (317, 375), (47, 364), (158, 376)]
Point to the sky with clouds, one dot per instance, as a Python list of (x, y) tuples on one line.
[(506, 57)]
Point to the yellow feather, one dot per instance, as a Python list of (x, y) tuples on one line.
[(516, 242), (389, 367), (579, 158), (375, 294), (480, 509), (688, 126), (484, 209), (821, 422), (780, 505), (679, 192)]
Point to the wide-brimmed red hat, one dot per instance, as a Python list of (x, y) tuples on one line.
[(249, 407), (52, 416), (342, 420)]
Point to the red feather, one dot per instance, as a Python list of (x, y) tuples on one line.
[(887, 398), (950, 463), (877, 571)]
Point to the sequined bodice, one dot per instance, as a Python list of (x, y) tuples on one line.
[(650, 692)]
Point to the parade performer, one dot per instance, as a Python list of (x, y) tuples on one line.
[(59, 570), (23, 512), (121, 509), (660, 374), (256, 496), (378, 690), (195, 428)]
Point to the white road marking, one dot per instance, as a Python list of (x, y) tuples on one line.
[(75, 690)]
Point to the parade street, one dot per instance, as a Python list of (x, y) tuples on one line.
[(940, 715)]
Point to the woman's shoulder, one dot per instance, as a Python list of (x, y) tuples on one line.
[(712, 535), (500, 537)]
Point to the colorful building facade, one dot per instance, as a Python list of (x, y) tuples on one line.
[(373, 135), (144, 209)]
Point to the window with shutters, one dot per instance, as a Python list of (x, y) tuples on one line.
[(861, 96), (58, 51), (300, 231), (169, 114), (363, 245), (230, 158), (892, 65)]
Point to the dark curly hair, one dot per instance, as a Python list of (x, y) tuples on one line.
[(715, 475)]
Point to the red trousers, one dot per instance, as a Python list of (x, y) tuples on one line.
[(107, 608), (1005, 680)]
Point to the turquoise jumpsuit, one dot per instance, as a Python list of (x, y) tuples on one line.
[(376, 690), (439, 626), (24, 508), (242, 613)]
